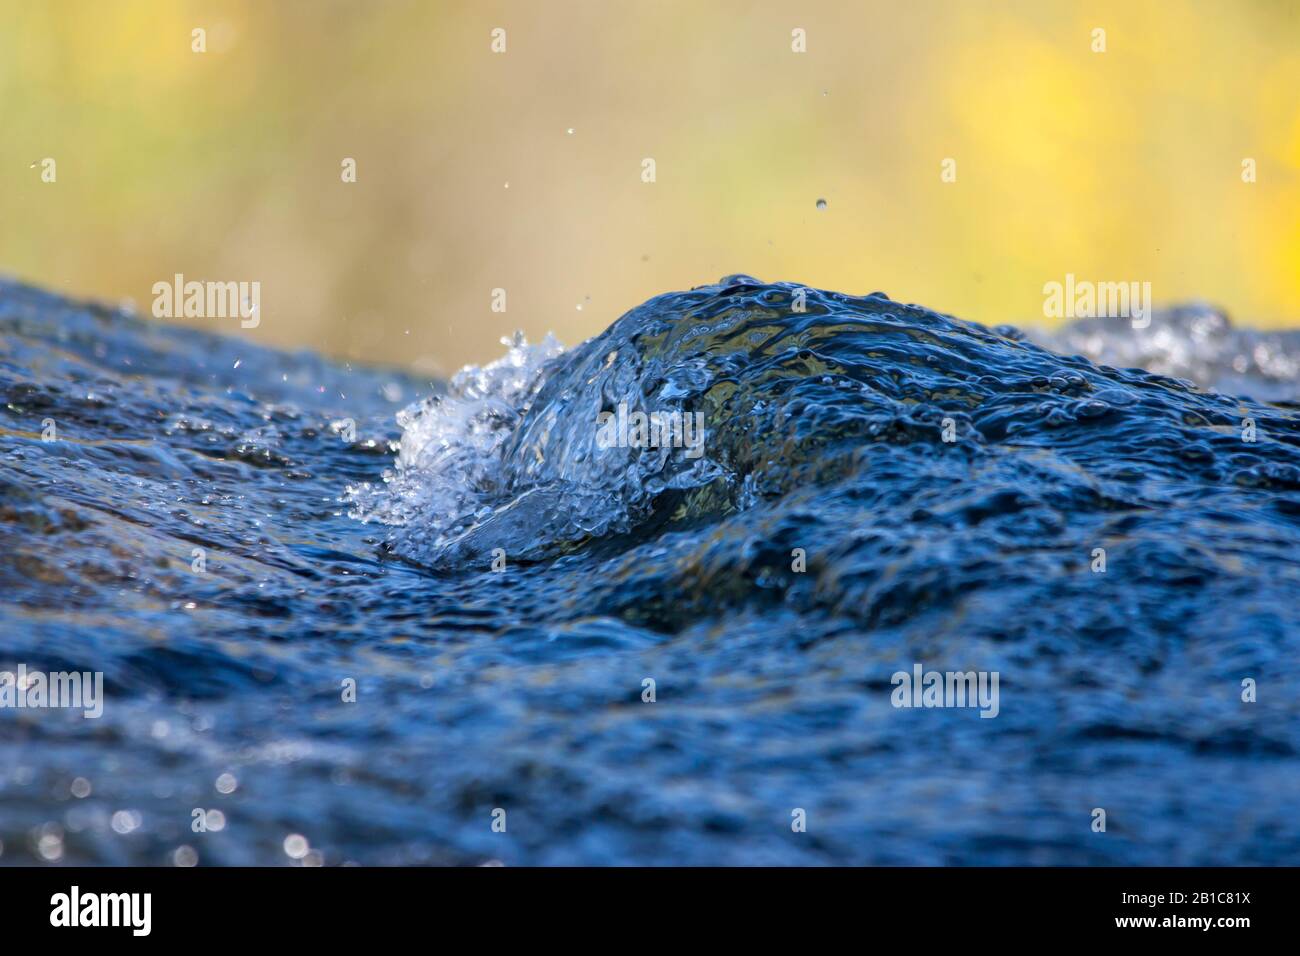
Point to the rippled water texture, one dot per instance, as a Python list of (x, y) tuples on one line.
[(521, 689)]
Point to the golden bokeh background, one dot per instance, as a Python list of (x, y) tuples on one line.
[(225, 165)]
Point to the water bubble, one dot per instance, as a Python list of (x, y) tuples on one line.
[(124, 821), (81, 788), (296, 846), (821, 204), (569, 131), (49, 845), (185, 856)]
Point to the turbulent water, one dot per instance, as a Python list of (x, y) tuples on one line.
[(234, 536)]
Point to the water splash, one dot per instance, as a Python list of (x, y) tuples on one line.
[(796, 386)]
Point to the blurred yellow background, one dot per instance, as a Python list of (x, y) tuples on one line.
[(225, 165)]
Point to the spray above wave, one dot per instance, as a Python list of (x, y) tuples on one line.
[(794, 388), (516, 455)]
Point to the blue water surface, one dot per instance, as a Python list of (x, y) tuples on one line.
[(235, 536)]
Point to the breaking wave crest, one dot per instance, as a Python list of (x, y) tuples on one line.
[(796, 388)]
